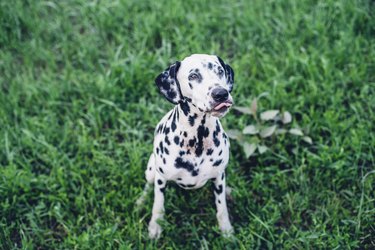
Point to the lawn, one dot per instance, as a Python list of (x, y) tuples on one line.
[(78, 107)]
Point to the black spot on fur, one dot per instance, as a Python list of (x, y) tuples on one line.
[(169, 117), (160, 128), (218, 126), (185, 108), (222, 176), (166, 139), (217, 163), (191, 87), (166, 151), (188, 152), (192, 119), (181, 153), (216, 133), (179, 179), (209, 65), (225, 136), (219, 190), (173, 125), (221, 151), (192, 142), (182, 143), (157, 151), (200, 78), (161, 147), (181, 163), (166, 130), (160, 182), (161, 170), (202, 132), (202, 161), (211, 160), (219, 201), (209, 151), (203, 120), (162, 190), (176, 140), (164, 161), (185, 133)]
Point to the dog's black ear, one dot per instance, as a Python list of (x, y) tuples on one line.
[(168, 84), (228, 73)]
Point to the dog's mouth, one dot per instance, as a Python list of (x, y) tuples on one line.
[(223, 106)]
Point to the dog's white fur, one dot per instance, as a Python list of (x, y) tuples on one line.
[(190, 145)]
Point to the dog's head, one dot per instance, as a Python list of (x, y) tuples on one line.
[(203, 80)]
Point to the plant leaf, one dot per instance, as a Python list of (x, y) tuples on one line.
[(263, 95), (249, 149), (244, 110), (268, 131), (268, 115), (286, 118), (296, 131), (280, 131), (262, 149), (250, 130), (307, 139), (254, 107), (233, 133)]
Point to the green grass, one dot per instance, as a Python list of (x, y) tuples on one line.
[(78, 107)]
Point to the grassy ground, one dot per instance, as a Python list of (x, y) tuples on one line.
[(78, 107)]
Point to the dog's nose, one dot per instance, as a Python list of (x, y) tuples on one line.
[(219, 94)]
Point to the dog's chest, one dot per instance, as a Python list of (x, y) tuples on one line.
[(190, 152)]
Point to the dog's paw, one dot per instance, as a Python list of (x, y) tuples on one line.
[(227, 230), (140, 201), (228, 193), (154, 230)]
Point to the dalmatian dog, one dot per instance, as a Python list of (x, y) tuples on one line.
[(190, 145)]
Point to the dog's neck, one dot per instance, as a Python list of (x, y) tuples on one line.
[(190, 116)]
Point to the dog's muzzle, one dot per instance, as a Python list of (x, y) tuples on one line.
[(222, 102)]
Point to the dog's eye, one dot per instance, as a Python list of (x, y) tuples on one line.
[(221, 71), (193, 77)]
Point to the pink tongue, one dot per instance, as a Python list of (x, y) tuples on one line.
[(222, 105)]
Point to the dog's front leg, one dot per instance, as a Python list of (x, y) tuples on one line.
[(221, 205), (154, 229)]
